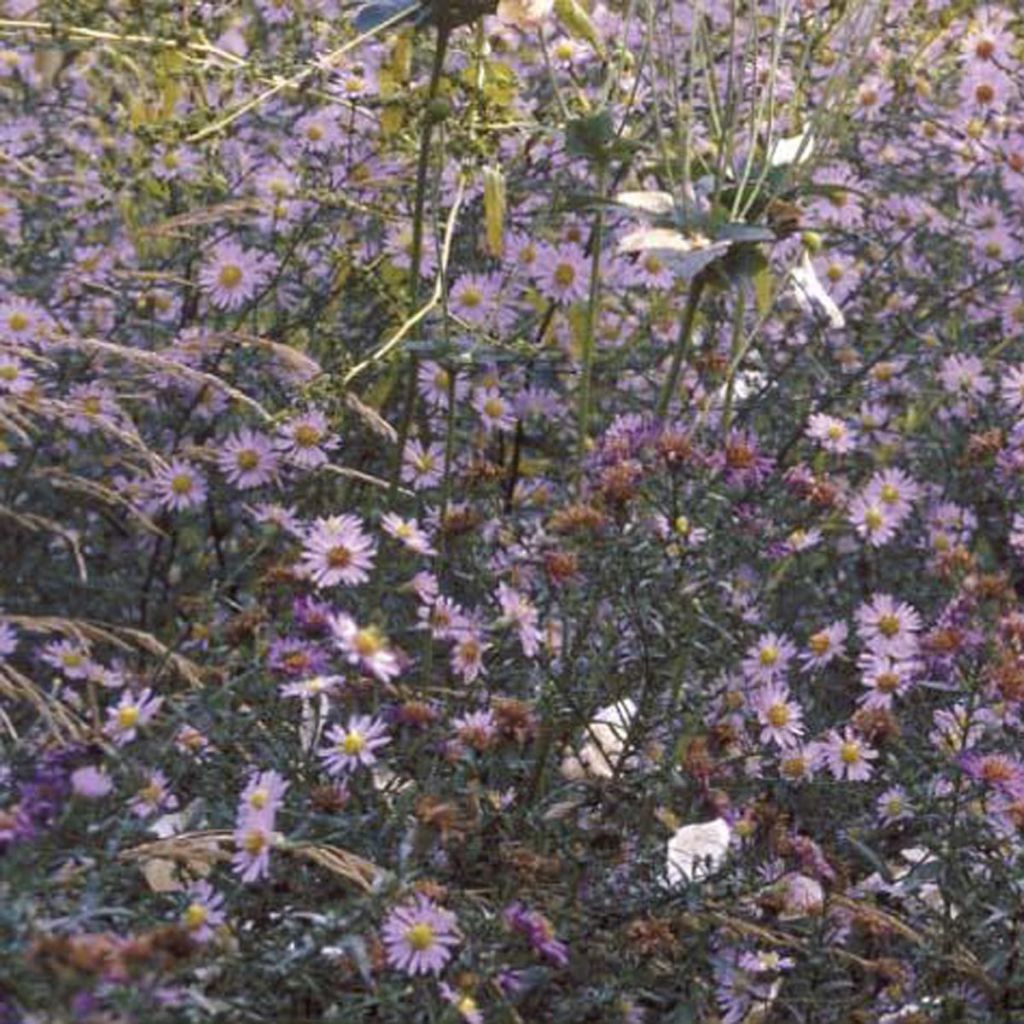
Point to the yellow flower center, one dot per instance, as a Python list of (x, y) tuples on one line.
[(8, 372), (769, 655), (420, 936), (778, 715), (889, 625), (195, 916), (247, 459), (254, 842), (873, 519), (819, 643), (564, 275), (71, 659), (889, 494), (353, 744), (181, 483), (849, 752), (471, 298), (230, 276), (494, 407), (307, 436), (258, 799), (17, 321), (127, 717), (367, 642)]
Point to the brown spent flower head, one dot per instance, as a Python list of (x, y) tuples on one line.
[(515, 718), (562, 567), (579, 518)]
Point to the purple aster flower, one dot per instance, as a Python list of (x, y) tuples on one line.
[(495, 412), (561, 273), (366, 647), (247, 459), (306, 440), (824, 646), (872, 519), (8, 640), (768, 659), (91, 782), (847, 756), (154, 796), (179, 486), (781, 717), (893, 806), (538, 931), (131, 712), (354, 745), (422, 465), (419, 937), (337, 551), (296, 658), (885, 678), (253, 840), (833, 434), (263, 795), (204, 911), (888, 627), (233, 276), (70, 658)]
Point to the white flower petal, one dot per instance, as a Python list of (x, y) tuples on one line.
[(697, 851)]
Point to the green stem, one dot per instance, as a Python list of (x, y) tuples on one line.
[(683, 344), (736, 353), (590, 327), (416, 256)]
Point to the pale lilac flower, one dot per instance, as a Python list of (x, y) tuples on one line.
[(233, 276), (337, 551), (8, 640), (780, 716), (16, 378), (313, 687), (561, 273), (495, 412), (443, 617), (204, 912), (247, 459), (179, 487), (70, 658), (954, 730), (305, 440), (477, 729), (768, 659), (131, 712), (884, 678), (893, 806), (1011, 389), (463, 1003), (91, 782), (520, 612), (253, 840), (366, 647), (467, 656), (153, 796), (263, 795), (824, 646), (893, 491), (422, 466), (434, 382), (407, 531), (888, 627), (354, 745), (799, 763), (419, 937), (872, 520), (833, 434), (847, 756)]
